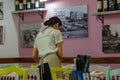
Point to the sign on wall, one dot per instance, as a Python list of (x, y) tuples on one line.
[(74, 21)]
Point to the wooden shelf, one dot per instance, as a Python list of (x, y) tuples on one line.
[(30, 10), (21, 12), (106, 13)]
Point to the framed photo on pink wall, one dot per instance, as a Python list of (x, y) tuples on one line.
[(111, 38), (74, 21), (28, 34)]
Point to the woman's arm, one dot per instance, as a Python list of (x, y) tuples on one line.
[(35, 55), (60, 51)]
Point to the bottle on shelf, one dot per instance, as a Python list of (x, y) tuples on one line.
[(105, 5), (111, 5), (25, 4), (32, 4), (37, 2), (16, 5), (28, 4), (21, 5), (99, 5), (42, 4), (117, 5)]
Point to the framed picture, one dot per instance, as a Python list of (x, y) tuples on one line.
[(74, 21), (111, 38), (1, 35), (28, 33), (1, 10)]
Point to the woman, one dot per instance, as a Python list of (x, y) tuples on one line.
[(48, 43)]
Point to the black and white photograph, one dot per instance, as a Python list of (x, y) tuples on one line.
[(28, 33), (1, 35), (1, 10), (111, 38), (74, 21)]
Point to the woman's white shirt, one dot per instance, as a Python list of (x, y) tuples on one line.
[(46, 41)]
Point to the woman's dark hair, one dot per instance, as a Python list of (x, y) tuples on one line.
[(52, 21)]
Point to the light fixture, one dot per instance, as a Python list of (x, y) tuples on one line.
[(43, 0)]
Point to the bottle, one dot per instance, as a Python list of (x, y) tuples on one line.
[(20, 4), (37, 2), (28, 4), (42, 4), (117, 5), (105, 5), (87, 64), (99, 5), (24, 4), (32, 4), (111, 5), (16, 5), (79, 65), (86, 61)]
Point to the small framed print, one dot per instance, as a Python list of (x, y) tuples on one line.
[(28, 33), (1, 10), (1, 35), (111, 38)]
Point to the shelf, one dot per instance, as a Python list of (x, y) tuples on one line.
[(30, 10), (101, 15), (106, 13), (21, 12)]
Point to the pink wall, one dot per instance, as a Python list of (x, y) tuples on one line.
[(90, 46)]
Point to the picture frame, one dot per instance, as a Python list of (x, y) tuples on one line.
[(111, 38), (1, 11), (74, 21), (28, 34), (2, 35)]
